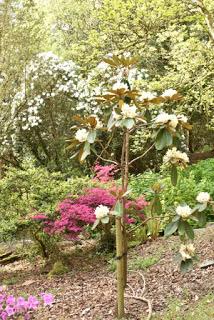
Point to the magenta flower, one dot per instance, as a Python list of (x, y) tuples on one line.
[(21, 304), (39, 216), (10, 310), (4, 315), (47, 298), (10, 300), (104, 173), (32, 303)]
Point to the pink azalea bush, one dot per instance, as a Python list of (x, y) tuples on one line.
[(104, 173), (13, 308), (74, 214)]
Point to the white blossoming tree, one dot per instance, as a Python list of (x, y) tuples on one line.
[(124, 111), (42, 108)]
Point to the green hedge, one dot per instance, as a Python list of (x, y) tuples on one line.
[(196, 178)]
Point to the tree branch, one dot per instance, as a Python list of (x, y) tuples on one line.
[(207, 15), (106, 160), (142, 155)]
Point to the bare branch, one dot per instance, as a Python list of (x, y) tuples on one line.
[(207, 15), (141, 297), (142, 155), (106, 160)]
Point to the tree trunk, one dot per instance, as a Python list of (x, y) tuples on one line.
[(121, 239), (209, 19)]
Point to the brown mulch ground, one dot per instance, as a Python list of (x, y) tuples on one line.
[(88, 291)]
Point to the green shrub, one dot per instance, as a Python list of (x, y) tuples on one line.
[(59, 268), (196, 178), (33, 189)]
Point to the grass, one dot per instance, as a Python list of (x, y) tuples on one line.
[(136, 263), (11, 281), (140, 263), (178, 310)]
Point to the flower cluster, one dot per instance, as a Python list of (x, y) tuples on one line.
[(203, 197), (75, 214), (187, 251), (128, 111), (171, 120), (101, 212), (92, 123), (104, 173), (175, 157), (81, 135), (61, 78), (135, 210), (184, 211), (13, 308)]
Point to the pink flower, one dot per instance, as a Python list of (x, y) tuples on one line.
[(21, 304), (4, 315), (47, 298), (104, 173), (39, 216), (10, 310), (10, 300), (32, 303)]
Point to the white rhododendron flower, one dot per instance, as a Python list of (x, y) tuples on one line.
[(187, 251), (120, 85), (147, 95), (81, 135), (184, 211), (175, 156), (169, 93), (99, 123), (182, 118), (128, 111), (102, 66), (101, 212), (116, 116), (173, 121), (165, 118), (203, 197)]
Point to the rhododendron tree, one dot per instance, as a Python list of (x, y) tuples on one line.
[(125, 109)]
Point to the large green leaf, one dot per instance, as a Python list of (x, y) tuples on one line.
[(188, 229), (111, 122), (91, 136), (86, 151), (128, 123), (163, 139), (118, 209), (186, 265), (171, 227), (202, 218)]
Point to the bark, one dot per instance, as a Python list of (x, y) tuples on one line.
[(209, 19), (121, 238)]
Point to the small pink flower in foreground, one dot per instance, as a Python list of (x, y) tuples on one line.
[(47, 298)]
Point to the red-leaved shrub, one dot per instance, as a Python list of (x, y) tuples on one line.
[(74, 214)]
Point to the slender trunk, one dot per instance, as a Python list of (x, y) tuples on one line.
[(125, 187), (120, 270), (209, 19), (121, 239)]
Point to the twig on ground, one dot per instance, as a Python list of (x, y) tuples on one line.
[(139, 295)]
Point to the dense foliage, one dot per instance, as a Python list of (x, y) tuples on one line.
[(175, 50)]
